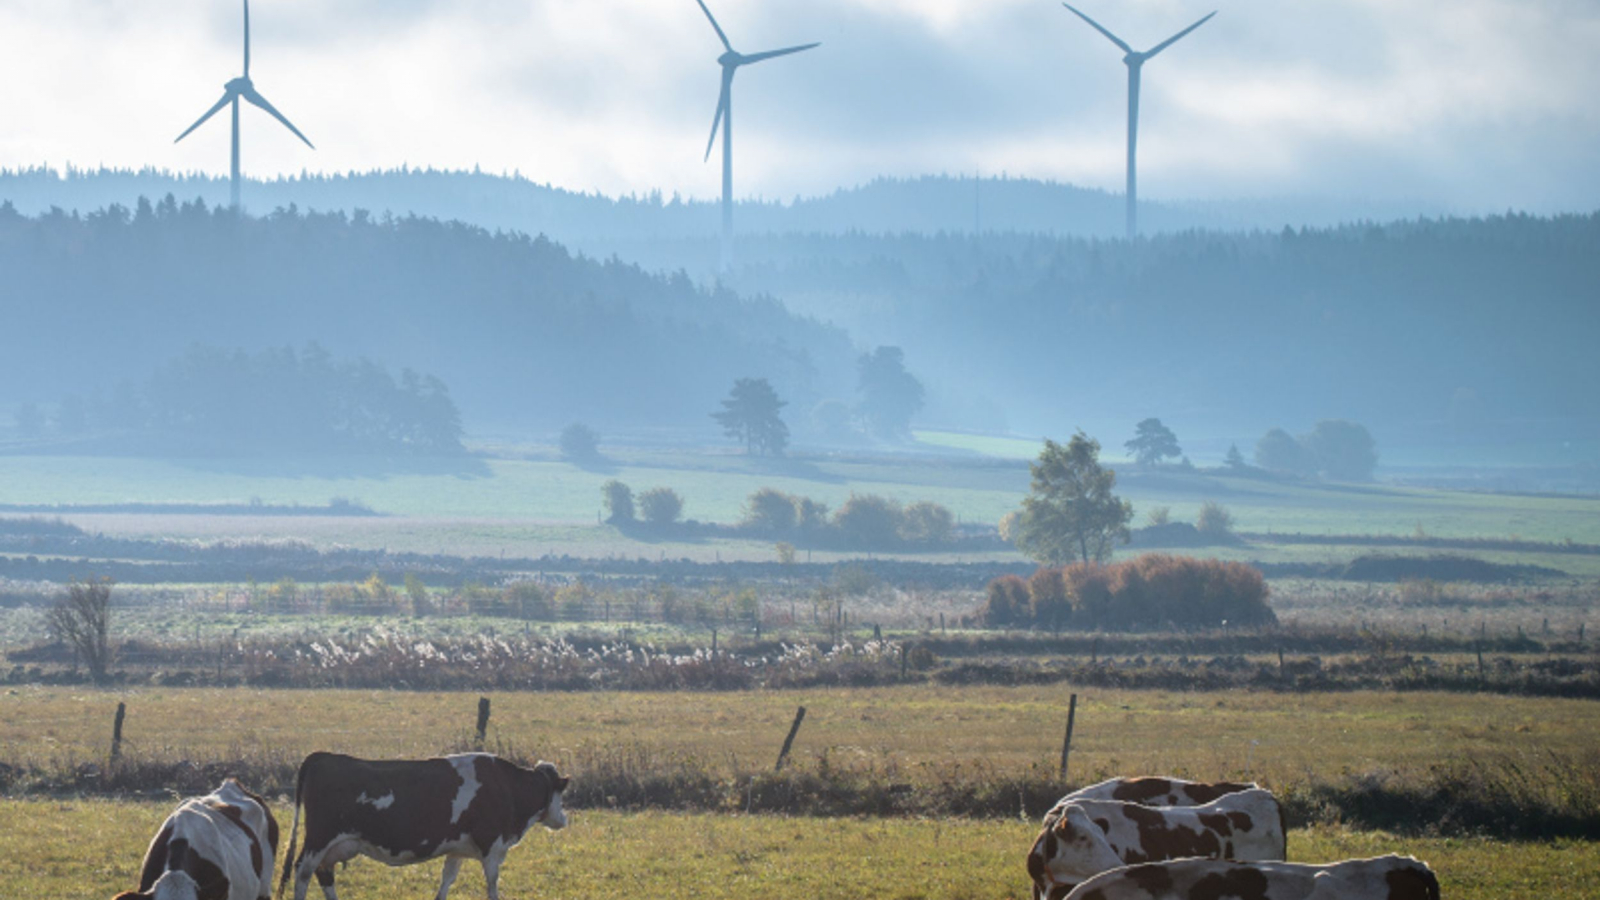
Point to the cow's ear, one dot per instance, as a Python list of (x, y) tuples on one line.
[(561, 783), (130, 895)]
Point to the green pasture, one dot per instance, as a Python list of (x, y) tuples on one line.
[(523, 506), (75, 848)]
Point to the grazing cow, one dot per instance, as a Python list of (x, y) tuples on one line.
[(1091, 836), (218, 847), (472, 806), (1151, 791), (1381, 878)]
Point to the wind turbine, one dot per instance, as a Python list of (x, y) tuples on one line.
[(731, 61), (242, 88), (1135, 62)]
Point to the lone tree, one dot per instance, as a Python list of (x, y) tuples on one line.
[(579, 443), (82, 618), (1344, 451), (1152, 442), (1235, 459), (890, 395), (750, 414), (1071, 513)]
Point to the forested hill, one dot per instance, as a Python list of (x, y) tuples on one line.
[(601, 225), (1436, 333), (523, 333)]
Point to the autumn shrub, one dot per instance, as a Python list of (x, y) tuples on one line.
[(1006, 602), (1047, 598), (1155, 590)]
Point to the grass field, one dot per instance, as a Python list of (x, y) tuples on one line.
[(92, 848), (918, 731), (519, 507)]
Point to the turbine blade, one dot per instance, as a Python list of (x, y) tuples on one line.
[(227, 96), (255, 98), (247, 38), (722, 110), (758, 57), (1174, 39), (715, 25), (1113, 38)]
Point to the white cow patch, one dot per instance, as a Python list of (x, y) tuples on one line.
[(554, 818), (466, 766), (380, 804)]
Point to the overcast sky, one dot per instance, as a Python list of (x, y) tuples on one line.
[(1475, 104)]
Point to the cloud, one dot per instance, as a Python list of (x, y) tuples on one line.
[(1476, 104)]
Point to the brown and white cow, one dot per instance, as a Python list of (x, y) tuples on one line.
[(1152, 791), (1381, 878), (1093, 836), (471, 806), (218, 847)]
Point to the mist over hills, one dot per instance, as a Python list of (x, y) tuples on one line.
[(1449, 335), (526, 335)]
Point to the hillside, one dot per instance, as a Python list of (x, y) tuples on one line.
[(525, 334)]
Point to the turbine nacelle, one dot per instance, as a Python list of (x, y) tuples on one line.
[(731, 60), (239, 86)]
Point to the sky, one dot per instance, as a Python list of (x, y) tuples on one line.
[(1469, 105)]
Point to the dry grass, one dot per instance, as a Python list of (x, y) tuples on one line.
[(922, 729)]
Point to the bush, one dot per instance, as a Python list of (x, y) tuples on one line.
[(1214, 521), (1047, 598), (618, 499), (926, 524), (527, 600), (660, 506), (868, 521), (1148, 592), (1006, 603), (810, 516), (770, 511)]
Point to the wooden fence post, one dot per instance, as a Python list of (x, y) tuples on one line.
[(116, 731), (483, 720), (1066, 744), (788, 742)]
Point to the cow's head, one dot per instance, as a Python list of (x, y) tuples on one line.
[(1070, 851), (549, 784), (174, 885)]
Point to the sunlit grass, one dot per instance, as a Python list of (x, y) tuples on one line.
[(92, 848), (1279, 738)]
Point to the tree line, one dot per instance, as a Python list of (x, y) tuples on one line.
[(522, 330)]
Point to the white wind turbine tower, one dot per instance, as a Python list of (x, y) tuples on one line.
[(1135, 62), (243, 89), (731, 61)]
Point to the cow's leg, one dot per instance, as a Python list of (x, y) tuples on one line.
[(325, 878), (452, 865), (491, 872), (304, 867)]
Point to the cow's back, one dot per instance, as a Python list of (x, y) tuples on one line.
[(408, 809)]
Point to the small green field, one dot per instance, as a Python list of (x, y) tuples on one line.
[(68, 849)]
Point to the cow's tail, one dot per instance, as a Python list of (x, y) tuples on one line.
[(294, 830)]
